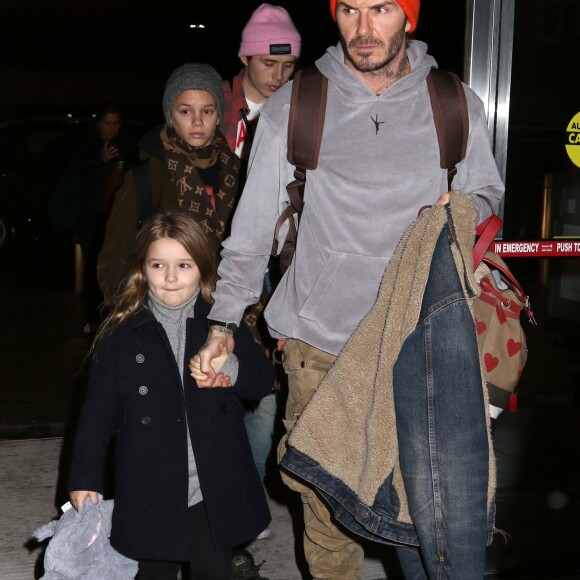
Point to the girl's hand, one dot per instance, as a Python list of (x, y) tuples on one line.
[(216, 379), (219, 381), (77, 498), (213, 348)]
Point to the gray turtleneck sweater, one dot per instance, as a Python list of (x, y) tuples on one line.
[(173, 319)]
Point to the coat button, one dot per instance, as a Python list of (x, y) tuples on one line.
[(302, 364), (140, 358), (224, 408), (143, 390), (146, 420)]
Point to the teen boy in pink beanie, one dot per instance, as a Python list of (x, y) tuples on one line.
[(269, 49)]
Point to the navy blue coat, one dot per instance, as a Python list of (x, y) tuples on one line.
[(135, 396)]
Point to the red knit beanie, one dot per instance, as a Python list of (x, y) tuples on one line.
[(410, 7)]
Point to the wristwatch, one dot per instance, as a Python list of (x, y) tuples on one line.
[(227, 326)]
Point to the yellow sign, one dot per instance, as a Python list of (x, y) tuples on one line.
[(573, 140)]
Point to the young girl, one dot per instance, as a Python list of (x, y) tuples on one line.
[(186, 488)]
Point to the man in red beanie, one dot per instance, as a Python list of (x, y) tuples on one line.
[(410, 8), (379, 163)]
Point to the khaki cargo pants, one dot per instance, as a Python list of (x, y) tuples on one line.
[(329, 552)]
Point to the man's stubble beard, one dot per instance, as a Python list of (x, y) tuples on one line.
[(365, 64)]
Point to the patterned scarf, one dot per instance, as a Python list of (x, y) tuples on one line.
[(211, 207)]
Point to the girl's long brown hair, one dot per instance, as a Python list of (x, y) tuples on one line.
[(132, 294)]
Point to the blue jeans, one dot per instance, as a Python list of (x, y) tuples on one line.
[(260, 429), (442, 433), (260, 420), (442, 439)]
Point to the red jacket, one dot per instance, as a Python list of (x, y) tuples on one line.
[(235, 101)]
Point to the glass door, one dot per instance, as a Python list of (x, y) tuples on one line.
[(522, 58)]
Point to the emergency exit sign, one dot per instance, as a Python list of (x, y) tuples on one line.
[(537, 249)]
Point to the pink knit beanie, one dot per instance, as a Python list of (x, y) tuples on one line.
[(410, 7), (270, 30)]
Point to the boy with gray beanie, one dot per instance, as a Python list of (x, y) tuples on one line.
[(184, 166), (202, 77)]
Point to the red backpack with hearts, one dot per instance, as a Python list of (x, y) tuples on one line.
[(496, 311)]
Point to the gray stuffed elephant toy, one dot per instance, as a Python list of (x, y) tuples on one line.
[(79, 548)]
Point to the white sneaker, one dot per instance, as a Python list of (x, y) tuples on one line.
[(264, 534)]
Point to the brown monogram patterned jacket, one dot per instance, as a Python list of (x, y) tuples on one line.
[(122, 225)]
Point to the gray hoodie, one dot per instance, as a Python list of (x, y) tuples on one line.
[(368, 187)]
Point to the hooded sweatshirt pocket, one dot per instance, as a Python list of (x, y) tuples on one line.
[(344, 291)]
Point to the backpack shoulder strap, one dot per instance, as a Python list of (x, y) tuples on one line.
[(143, 191), (306, 124), (305, 127), (451, 118), (306, 118)]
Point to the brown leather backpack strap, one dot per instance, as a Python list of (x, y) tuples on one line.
[(451, 118), (305, 121), (305, 127)]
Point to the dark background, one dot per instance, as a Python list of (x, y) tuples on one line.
[(68, 56), (60, 56)]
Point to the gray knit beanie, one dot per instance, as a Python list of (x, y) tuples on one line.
[(198, 76)]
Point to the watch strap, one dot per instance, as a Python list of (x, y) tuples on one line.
[(227, 325)]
